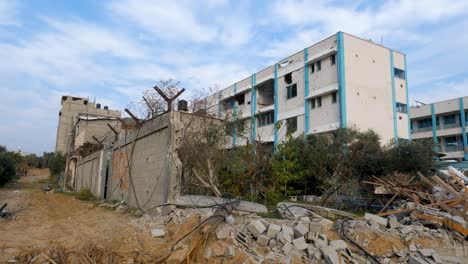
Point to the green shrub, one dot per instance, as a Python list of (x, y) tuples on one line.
[(85, 195), (57, 164), (7, 168)]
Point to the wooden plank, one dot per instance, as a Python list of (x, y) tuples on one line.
[(445, 222), (414, 208), (424, 179), (447, 187), (388, 203)]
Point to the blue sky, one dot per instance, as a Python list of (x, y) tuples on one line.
[(114, 50)]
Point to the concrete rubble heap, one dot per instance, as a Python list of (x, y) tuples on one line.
[(304, 236)]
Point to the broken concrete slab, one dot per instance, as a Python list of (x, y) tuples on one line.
[(330, 255), (194, 201), (393, 222), (338, 244), (157, 232), (256, 227), (300, 243), (375, 218)]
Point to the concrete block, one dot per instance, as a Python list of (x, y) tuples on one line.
[(272, 243), (287, 229), (300, 243), (263, 240), (287, 248), (284, 237), (379, 220), (407, 229), (300, 230), (313, 252), (338, 244), (223, 234), (393, 222), (315, 227), (157, 232), (412, 247), (229, 252), (426, 252), (415, 259), (320, 243), (330, 255), (273, 230), (256, 227), (285, 260)]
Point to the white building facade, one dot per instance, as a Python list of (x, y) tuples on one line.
[(340, 81), (445, 123)]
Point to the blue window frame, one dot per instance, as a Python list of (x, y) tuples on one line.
[(401, 108), (292, 90), (450, 119)]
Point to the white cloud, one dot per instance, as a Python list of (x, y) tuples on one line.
[(8, 13), (440, 91), (166, 19), (292, 45)]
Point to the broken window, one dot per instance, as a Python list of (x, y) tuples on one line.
[(288, 78), (319, 101), (399, 73), (240, 99), (228, 104), (292, 90), (312, 103), (319, 65), (312, 68), (334, 98), (291, 124), (332, 59), (401, 108), (265, 119)]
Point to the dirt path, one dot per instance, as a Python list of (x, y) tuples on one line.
[(44, 219)]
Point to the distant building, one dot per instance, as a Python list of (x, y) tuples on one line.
[(87, 128), (340, 81), (445, 123), (73, 108)]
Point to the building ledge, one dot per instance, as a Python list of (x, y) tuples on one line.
[(322, 91)]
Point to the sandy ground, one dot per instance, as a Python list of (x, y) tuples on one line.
[(44, 219)]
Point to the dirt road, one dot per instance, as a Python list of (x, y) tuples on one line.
[(44, 219)]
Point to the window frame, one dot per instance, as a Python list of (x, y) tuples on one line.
[(291, 125), (291, 91)]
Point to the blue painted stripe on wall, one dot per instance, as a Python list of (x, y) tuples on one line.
[(407, 101), (253, 103), (463, 124), (434, 128), (392, 75), (234, 130), (341, 79), (275, 111), (306, 92)]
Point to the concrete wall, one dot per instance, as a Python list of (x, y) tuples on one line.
[(86, 129), (88, 173), (369, 102)]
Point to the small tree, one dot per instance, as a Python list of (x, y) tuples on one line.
[(57, 164), (7, 166), (409, 156)]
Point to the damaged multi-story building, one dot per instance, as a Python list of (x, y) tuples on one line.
[(445, 123), (79, 111), (341, 81)]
